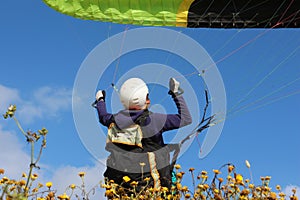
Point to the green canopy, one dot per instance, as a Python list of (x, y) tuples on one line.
[(186, 13)]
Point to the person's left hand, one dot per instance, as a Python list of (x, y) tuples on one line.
[(100, 95)]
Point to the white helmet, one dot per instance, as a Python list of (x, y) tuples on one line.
[(133, 93)]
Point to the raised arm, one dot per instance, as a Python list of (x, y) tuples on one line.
[(105, 118), (183, 117)]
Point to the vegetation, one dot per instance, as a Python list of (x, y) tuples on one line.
[(228, 185)]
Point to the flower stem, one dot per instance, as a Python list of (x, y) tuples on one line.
[(31, 165), (20, 127)]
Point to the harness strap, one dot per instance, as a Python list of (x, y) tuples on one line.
[(153, 170)]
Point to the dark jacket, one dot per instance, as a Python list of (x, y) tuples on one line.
[(126, 160)]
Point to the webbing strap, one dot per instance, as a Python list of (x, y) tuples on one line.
[(153, 170)]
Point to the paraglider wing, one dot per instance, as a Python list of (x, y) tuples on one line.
[(244, 14), (186, 13), (138, 12)]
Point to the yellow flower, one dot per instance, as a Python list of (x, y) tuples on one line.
[(24, 175), (179, 175), (204, 172), (267, 178), (178, 186), (165, 189), (147, 179), (109, 193), (134, 183), (35, 190), (2, 171), (267, 189), (177, 166), (239, 179), (10, 111), (184, 189), (188, 195), (72, 186), (126, 179), (278, 187), (12, 188), (108, 187), (281, 194), (111, 181), (50, 195), (245, 192), (10, 182), (204, 177), (49, 185), (273, 196), (216, 191), (22, 182), (230, 168), (81, 174), (12, 108), (43, 131), (206, 186), (200, 186), (216, 171), (247, 164), (191, 169), (34, 177), (293, 197), (63, 197), (5, 179)]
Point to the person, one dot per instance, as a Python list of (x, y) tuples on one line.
[(135, 134)]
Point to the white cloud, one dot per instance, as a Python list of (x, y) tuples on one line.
[(13, 157), (8, 96), (45, 102), (288, 191), (53, 99)]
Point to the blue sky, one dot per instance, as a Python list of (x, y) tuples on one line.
[(42, 52)]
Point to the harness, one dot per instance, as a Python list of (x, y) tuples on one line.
[(137, 157), (129, 149)]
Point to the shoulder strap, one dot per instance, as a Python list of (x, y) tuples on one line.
[(142, 118)]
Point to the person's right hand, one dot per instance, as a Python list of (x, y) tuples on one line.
[(174, 85)]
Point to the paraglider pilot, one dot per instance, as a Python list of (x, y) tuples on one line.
[(134, 139)]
